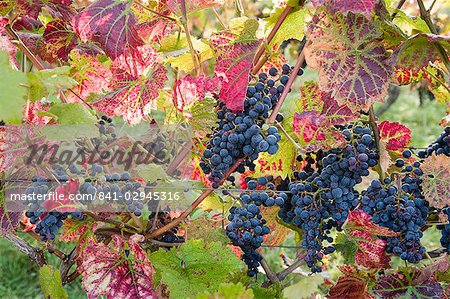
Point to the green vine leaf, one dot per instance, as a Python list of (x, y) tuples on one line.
[(436, 180), (195, 267), (51, 284)]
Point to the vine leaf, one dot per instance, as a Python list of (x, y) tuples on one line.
[(136, 80), (51, 284), (364, 7), (92, 76), (6, 44), (191, 5), (195, 267), (153, 27), (229, 291), (234, 61), (350, 287), (184, 61), (190, 90), (352, 64), (396, 135), (371, 252), (278, 232), (33, 113), (319, 113), (72, 114), (420, 49), (9, 220), (120, 271), (291, 28), (12, 92), (59, 39), (49, 82), (404, 283), (436, 180), (203, 119), (111, 24)]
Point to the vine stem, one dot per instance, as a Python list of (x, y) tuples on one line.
[(376, 133), (399, 6), (180, 157), (224, 26), (269, 272), (118, 224), (287, 87), (13, 35), (195, 204), (426, 16), (272, 33), (184, 21)]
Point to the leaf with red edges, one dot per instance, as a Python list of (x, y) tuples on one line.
[(352, 64), (404, 284), (31, 8), (350, 287), (190, 90), (112, 24), (420, 49), (278, 232), (31, 112), (59, 39), (364, 7), (234, 61), (191, 5), (136, 81), (26, 24), (436, 180), (396, 135), (9, 220), (5, 42), (92, 76), (359, 220), (117, 272)]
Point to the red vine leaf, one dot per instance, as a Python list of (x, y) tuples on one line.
[(364, 7), (419, 50), (350, 287), (359, 220), (436, 180), (371, 252), (31, 8), (191, 5), (352, 64), (153, 27), (112, 24), (320, 112), (396, 135), (59, 39), (26, 24), (5, 44), (404, 284), (31, 112), (136, 81), (234, 61), (278, 232), (117, 272), (9, 220), (190, 90), (92, 76)]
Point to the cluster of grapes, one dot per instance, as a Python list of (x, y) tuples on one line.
[(445, 239), (241, 134), (47, 224), (440, 146), (319, 199), (247, 226), (401, 211)]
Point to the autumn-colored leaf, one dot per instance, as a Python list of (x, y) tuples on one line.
[(364, 7), (32, 113), (112, 24), (5, 43), (420, 49), (137, 78), (385, 160), (352, 65), (59, 39), (350, 287), (92, 76), (360, 220), (436, 180), (190, 90), (278, 232), (9, 220), (403, 284), (117, 272), (234, 61), (396, 135), (191, 5)]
